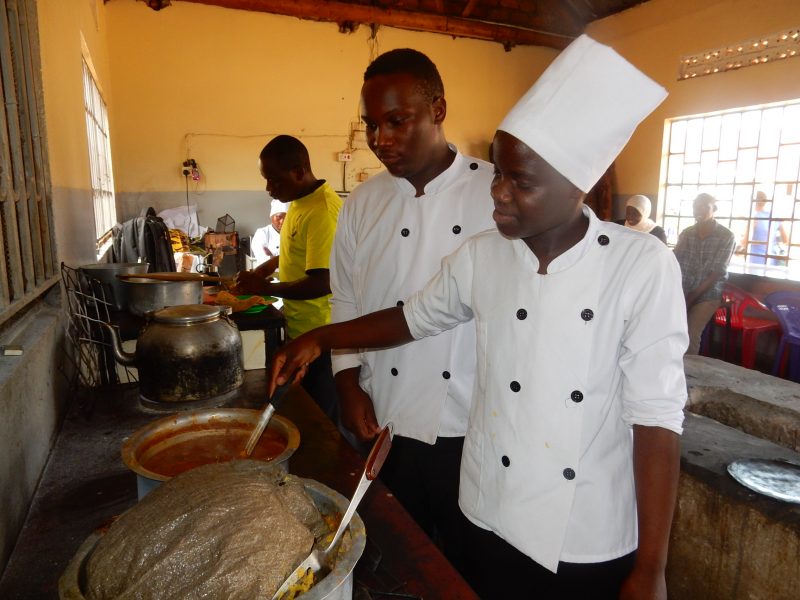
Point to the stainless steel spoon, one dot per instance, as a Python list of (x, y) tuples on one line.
[(319, 562)]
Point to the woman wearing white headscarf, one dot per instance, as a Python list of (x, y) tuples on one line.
[(637, 216)]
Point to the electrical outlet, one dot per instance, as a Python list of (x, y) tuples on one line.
[(189, 168), (345, 157)]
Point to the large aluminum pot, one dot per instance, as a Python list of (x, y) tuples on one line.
[(146, 295), (337, 585), (190, 353), (106, 273), (174, 436)]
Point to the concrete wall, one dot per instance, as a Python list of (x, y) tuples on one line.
[(32, 389), (728, 542)]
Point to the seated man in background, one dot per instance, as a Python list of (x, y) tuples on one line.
[(703, 252), (305, 246), (267, 240)]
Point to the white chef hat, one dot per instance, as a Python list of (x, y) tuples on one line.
[(276, 207), (583, 110)]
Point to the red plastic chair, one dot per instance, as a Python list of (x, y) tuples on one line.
[(750, 327)]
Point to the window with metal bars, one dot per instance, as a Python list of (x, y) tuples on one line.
[(105, 210), (749, 160), (27, 261)]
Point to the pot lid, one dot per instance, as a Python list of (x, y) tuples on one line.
[(188, 313)]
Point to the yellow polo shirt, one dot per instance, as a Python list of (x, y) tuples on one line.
[(306, 240)]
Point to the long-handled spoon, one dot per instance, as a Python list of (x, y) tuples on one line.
[(266, 415), (319, 561)]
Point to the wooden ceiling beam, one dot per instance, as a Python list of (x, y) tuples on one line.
[(338, 12)]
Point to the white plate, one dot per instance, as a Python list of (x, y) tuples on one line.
[(777, 479)]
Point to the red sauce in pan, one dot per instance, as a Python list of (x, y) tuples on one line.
[(212, 447)]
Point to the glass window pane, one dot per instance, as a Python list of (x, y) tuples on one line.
[(691, 173), (790, 130), (746, 166), (751, 122), (723, 193), (708, 166), (723, 209), (677, 138), (795, 233), (782, 207), (672, 205), (765, 170), (726, 171), (711, 129), (694, 134), (741, 200), (770, 132), (788, 163), (729, 139), (671, 229), (674, 169)]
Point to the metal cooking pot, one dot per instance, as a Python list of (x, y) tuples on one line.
[(107, 273), (189, 353), (146, 295), (168, 432), (336, 585)]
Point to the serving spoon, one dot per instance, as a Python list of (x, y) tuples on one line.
[(266, 415), (319, 562)]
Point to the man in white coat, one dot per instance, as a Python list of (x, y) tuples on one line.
[(266, 241), (392, 234), (571, 459)]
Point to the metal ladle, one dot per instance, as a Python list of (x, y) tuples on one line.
[(319, 561)]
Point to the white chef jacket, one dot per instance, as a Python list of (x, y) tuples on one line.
[(265, 237), (388, 245), (567, 363)]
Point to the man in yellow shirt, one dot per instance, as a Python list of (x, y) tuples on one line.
[(306, 239)]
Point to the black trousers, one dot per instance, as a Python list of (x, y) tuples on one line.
[(496, 570), (424, 478)]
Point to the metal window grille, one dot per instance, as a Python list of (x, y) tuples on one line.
[(27, 261), (105, 211), (733, 155)]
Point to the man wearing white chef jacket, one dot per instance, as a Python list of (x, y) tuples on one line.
[(392, 234), (571, 459), (266, 241)]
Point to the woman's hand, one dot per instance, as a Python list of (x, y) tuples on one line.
[(292, 360)]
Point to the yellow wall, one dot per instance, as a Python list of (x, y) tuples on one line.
[(69, 30), (215, 84), (654, 35), (61, 26)]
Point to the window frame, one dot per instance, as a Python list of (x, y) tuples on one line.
[(100, 163), (734, 178)]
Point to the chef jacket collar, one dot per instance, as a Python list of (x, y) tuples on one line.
[(572, 255), (442, 180)]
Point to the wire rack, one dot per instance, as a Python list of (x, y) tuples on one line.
[(90, 363)]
